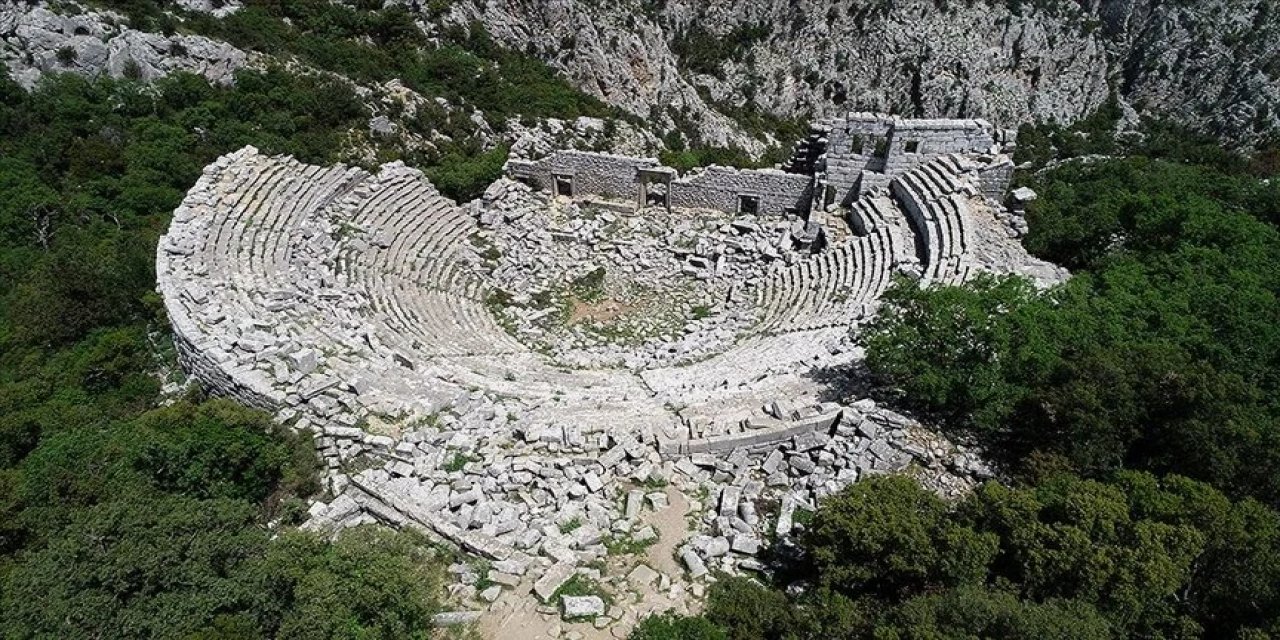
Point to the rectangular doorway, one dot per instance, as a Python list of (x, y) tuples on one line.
[(563, 184)]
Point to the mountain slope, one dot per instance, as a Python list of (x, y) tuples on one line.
[(1211, 65)]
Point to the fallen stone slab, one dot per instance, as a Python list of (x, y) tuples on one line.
[(716, 547), (729, 500), (746, 544), (785, 514), (506, 579), (772, 462), (512, 566), (553, 579), (658, 501), (645, 534), (642, 576), (582, 606), (635, 499), (454, 618), (696, 567)]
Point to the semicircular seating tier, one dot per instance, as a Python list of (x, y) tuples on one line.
[(957, 231), (931, 222), (936, 203), (843, 283), (339, 292), (345, 295)]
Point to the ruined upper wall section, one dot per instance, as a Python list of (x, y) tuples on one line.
[(846, 157), (722, 188), (766, 192), (602, 174), (865, 150)]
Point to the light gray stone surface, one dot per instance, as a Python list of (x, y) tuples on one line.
[(582, 606), (34, 41), (357, 306), (1007, 63)]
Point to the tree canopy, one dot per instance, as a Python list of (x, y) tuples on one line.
[(1133, 556), (1160, 353)]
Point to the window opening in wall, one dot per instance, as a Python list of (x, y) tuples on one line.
[(656, 195), (749, 205), (855, 144), (882, 148), (564, 184), (912, 146)]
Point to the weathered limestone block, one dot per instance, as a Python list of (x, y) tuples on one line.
[(582, 606), (553, 579)]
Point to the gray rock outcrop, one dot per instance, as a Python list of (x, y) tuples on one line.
[(35, 41), (1212, 65)]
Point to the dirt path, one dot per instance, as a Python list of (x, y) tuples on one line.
[(515, 615), (672, 527)]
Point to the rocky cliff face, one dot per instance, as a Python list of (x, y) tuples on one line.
[(704, 66), (1212, 64), (35, 40)]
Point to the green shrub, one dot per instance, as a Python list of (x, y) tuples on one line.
[(670, 626), (465, 178), (1158, 354), (1135, 556), (748, 610), (701, 51), (118, 519), (973, 612), (887, 536), (696, 157), (589, 286)]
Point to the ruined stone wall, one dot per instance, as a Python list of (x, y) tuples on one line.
[(719, 188), (851, 145), (994, 178), (196, 356), (932, 138), (249, 387), (714, 187), (600, 174), (865, 150)]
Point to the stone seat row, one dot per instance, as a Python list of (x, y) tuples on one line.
[(933, 199), (430, 303), (272, 199), (845, 281), (236, 236), (370, 274), (749, 365)]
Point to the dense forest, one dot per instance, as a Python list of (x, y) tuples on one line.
[(1133, 410)]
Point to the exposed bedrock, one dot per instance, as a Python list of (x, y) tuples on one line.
[(35, 41), (1212, 65)]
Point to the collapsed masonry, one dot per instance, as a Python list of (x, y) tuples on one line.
[(861, 153), (358, 307)]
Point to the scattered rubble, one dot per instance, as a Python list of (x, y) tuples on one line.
[(400, 330)]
